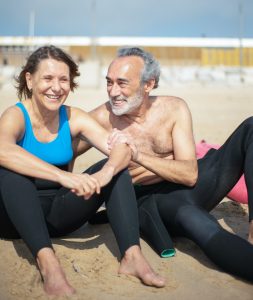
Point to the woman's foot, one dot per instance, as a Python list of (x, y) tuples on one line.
[(133, 263), (54, 279)]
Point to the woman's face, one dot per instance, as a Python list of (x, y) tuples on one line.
[(50, 84)]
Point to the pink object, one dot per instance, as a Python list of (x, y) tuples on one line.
[(239, 191)]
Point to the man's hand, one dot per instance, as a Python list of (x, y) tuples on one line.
[(120, 137)]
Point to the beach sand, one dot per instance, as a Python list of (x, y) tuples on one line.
[(90, 256)]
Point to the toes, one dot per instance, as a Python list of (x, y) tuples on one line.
[(154, 280)]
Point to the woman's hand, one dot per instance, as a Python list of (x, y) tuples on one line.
[(81, 184), (120, 137)]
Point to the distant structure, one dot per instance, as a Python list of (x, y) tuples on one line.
[(170, 51)]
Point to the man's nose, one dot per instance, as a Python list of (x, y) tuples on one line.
[(114, 90)]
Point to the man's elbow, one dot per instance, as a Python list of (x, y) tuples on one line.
[(192, 179)]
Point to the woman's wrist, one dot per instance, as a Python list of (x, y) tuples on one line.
[(109, 169)]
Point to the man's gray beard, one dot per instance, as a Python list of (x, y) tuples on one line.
[(135, 103)]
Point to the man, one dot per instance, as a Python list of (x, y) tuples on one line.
[(175, 192)]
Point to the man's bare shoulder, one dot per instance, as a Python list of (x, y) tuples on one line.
[(102, 113), (169, 103)]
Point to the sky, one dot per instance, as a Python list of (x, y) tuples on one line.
[(145, 18)]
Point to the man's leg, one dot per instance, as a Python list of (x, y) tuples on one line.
[(228, 251), (225, 166)]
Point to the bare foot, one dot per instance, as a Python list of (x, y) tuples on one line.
[(134, 263), (250, 237), (55, 282)]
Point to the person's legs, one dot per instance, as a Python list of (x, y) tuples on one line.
[(24, 218), (219, 170), (123, 215), (228, 251), (68, 212), (22, 205)]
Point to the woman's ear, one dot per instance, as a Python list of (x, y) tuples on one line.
[(28, 78)]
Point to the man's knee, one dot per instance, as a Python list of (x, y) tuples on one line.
[(248, 123)]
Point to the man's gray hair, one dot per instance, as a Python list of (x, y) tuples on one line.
[(151, 68)]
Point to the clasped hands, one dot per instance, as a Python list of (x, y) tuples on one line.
[(120, 137), (86, 185)]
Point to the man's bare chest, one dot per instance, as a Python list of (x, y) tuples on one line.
[(151, 138)]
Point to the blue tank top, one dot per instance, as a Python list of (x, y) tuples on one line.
[(58, 152)]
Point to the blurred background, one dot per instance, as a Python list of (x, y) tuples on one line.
[(205, 49), (195, 41)]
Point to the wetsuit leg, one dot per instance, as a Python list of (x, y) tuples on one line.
[(22, 214), (68, 211), (228, 251), (220, 169)]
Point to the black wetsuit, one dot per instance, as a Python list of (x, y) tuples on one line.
[(172, 208), (36, 209)]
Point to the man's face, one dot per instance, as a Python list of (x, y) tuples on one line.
[(123, 84)]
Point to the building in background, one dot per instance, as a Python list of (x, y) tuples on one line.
[(192, 54)]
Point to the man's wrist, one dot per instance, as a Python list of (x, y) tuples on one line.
[(137, 157)]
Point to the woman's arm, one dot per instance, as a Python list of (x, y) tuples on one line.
[(14, 157), (17, 159), (82, 124)]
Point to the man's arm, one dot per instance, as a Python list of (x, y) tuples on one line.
[(180, 166), (183, 167)]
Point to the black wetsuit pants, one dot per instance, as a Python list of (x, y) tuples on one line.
[(184, 210), (167, 208), (34, 209)]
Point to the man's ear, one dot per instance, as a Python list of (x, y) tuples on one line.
[(28, 78), (149, 85)]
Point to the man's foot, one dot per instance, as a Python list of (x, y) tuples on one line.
[(54, 279), (133, 263), (250, 237)]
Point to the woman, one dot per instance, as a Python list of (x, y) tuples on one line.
[(39, 197)]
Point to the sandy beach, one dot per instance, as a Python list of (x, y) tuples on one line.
[(90, 256)]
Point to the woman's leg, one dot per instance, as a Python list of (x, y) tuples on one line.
[(22, 205), (25, 216), (122, 213)]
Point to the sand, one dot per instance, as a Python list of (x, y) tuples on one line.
[(90, 256)]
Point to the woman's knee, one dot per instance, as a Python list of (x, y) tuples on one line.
[(14, 186), (13, 179)]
